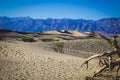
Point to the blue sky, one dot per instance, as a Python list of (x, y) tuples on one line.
[(76, 9)]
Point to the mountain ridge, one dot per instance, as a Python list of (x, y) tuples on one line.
[(28, 24)]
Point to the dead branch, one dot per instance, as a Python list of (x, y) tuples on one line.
[(98, 56), (106, 63), (113, 43), (90, 58)]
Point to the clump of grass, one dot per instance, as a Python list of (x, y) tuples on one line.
[(67, 38), (58, 47), (27, 39), (47, 40)]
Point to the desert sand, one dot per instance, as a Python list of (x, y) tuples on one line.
[(39, 61), (52, 32), (28, 61), (76, 33)]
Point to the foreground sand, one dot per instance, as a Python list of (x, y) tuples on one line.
[(30, 61)]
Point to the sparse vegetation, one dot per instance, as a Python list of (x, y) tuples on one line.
[(47, 40), (27, 39), (70, 38), (58, 47)]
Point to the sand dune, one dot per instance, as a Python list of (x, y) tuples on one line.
[(88, 33), (52, 32), (76, 33), (38, 61), (29, 61), (70, 33)]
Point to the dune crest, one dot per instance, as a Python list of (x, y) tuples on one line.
[(76, 33), (52, 32)]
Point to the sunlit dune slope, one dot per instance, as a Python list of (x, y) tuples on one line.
[(76, 33), (29, 61)]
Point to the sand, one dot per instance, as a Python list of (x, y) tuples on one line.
[(52, 32), (30, 61), (39, 61), (78, 34), (70, 33)]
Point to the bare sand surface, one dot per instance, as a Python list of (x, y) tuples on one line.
[(40, 61), (28, 61)]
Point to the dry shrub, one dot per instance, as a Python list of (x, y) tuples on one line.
[(58, 47), (47, 40), (27, 39)]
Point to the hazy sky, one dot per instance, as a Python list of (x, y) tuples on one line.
[(76, 9)]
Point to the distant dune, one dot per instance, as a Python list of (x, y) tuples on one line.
[(76, 33), (70, 33), (52, 32)]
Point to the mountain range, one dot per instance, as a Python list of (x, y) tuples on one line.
[(28, 24)]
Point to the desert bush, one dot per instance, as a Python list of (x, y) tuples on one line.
[(47, 40), (58, 47), (68, 38), (27, 39)]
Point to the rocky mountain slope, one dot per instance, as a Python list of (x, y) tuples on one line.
[(27, 24)]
